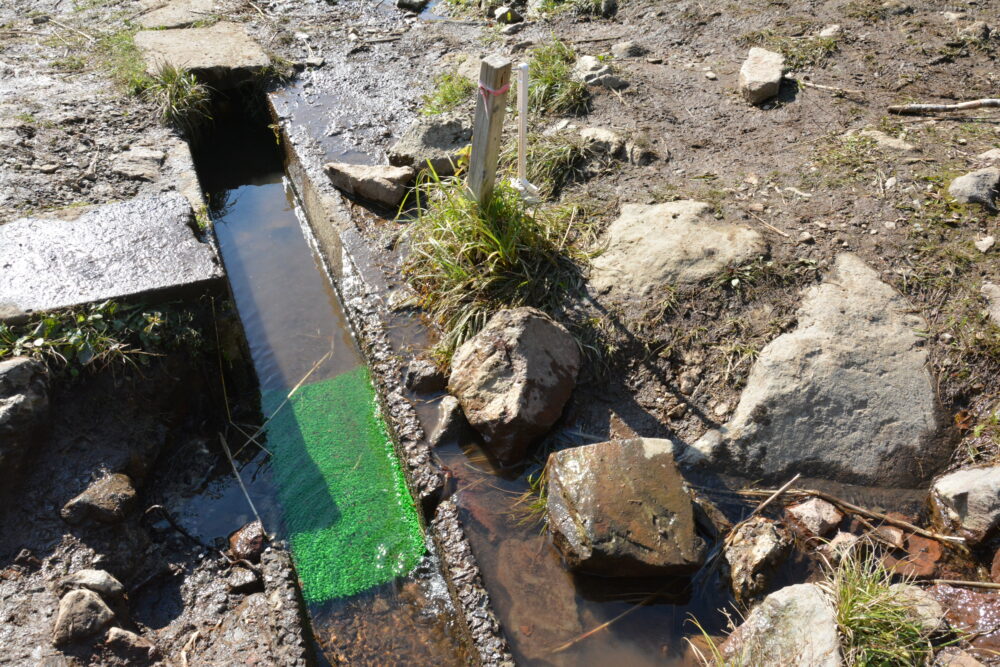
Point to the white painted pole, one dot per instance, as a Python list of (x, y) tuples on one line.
[(522, 123)]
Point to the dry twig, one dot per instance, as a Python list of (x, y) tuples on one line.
[(917, 109)]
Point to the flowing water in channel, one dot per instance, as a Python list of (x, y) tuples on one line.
[(329, 482)]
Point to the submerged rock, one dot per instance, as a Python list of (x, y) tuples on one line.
[(24, 407), (423, 376), (248, 542), (968, 501), (847, 395), (451, 423), (107, 501), (82, 614), (814, 518), (437, 139), (382, 184), (652, 247), (620, 509), (794, 626), (754, 550), (977, 187), (761, 74), (513, 379)]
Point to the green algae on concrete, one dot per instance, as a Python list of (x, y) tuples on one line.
[(351, 521)]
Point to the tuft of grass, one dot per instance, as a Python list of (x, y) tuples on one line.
[(121, 58), (552, 161), (69, 64), (97, 335), (799, 52), (181, 100), (553, 88), (450, 90), (877, 625), (845, 160), (466, 261), (530, 506)]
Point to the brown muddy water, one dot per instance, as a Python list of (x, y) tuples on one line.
[(295, 329)]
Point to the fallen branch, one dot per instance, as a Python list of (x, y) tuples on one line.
[(770, 226), (918, 109), (970, 584), (79, 32), (239, 479), (832, 89), (773, 496)]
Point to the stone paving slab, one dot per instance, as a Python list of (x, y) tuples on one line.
[(175, 14), (222, 55), (106, 252)]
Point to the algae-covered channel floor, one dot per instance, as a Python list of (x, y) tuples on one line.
[(341, 496)]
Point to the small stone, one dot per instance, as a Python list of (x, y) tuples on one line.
[(953, 656), (416, 6), (602, 141), (890, 182), (841, 544), (98, 581), (82, 614), (654, 61), (507, 14), (984, 244), (894, 536), (752, 552), (896, 7), (761, 74), (131, 647), (24, 410), (628, 49), (139, 163), (315, 62), (248, 542), (977, 31), (721, 410), (688, 380), (512, 29), (424, 377), (830, 31), (977, 187), (968, 501), (806, 237), (922, 606), (991, 293), (710, 75), (885, 141), (382, 184), (814, 518), (241, 580), (107, 501), (451, 424), (637, 151)]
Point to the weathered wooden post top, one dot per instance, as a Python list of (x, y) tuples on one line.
[(494, 82)]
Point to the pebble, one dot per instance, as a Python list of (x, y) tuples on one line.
[(806, 237), (710, 75), (984, 244)]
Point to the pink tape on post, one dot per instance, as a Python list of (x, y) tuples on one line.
[(487, 92)]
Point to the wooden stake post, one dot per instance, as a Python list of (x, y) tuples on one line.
[(494, 81)]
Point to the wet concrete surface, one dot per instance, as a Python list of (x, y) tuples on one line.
[(143, 246)]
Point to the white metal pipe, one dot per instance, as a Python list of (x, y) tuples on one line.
[(522, 122)]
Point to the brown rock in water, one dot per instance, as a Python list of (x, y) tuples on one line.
[(620, 509), (107, 501), (919, 559), (813, 518), (513, 379), (248, 542), (755, 549), (82, 614)]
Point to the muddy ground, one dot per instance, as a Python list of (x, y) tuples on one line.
[(782, 168)]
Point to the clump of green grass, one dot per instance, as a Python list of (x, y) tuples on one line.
[(877, 625), (552, 161), (553, 88), (845, 160), (530, 506), (97, 335), (466, 261), (584, 7), (450, 90), (121, 57), (182, 101), (799, 52)]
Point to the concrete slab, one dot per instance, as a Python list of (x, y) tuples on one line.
[(176, 13), (105, 252), (222, 55)]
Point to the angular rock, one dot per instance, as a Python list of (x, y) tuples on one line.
[(242, 580), (832, 30), (423, 376), (104, 252), (991, 293), (968, 501), (977, 187), (923, 607), (984, 244), (223, 55), (602, 141), (506, 14), (98, 581), (794, 626), (131, 647), (595, 72), (106, 501), (139, 162), (176, 13), (841, 544), (382, 184), (248, 542), (753, 551), (513, 379), (451, 424), (761, 74), (814, 518), (653, 247), (955, 657), (628, 49), (82, 614), (436, 139), (24, 407), (847, 395), (620, 509)]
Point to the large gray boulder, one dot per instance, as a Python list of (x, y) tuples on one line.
[(651, 247), (977, 187), (106, 500), (82, 614), (24, 405), (968, 501), (847, 395), (760, 75), (436, 139), (794, 626), (620, 509), (513, 379)]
